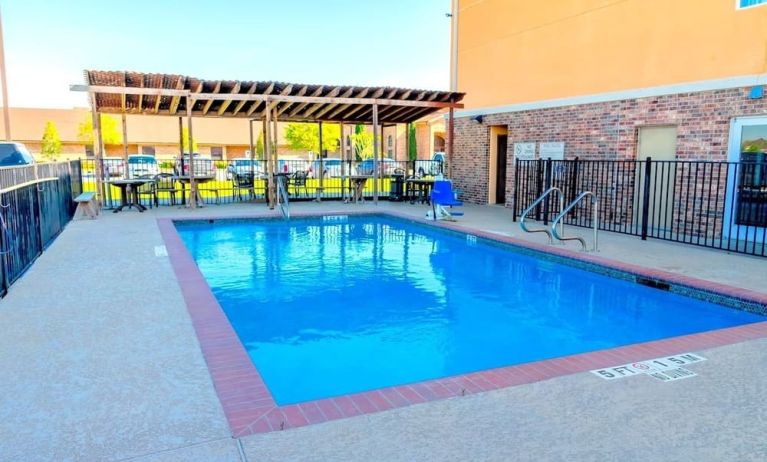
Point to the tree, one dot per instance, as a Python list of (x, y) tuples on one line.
[(260, 146), (51, 143), (304, 136), (110, 130), (362, 140), (185, 140), (413, 149)]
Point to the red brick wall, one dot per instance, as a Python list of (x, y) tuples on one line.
[(603, 131)]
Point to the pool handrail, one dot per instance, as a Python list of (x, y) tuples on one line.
[(594, 220), (282, 196), (534, 204)]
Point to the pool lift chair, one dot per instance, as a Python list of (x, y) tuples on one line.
[(442, 196)]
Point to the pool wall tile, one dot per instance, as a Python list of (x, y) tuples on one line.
[(250, 407)]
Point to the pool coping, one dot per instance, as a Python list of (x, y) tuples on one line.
[(250, 408)]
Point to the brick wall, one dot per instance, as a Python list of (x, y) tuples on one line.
[(602, 131)]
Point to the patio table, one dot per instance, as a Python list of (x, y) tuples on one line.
[(186, 179), (419, 189), (129, 192)]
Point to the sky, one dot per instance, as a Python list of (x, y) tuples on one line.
[(48, 43)]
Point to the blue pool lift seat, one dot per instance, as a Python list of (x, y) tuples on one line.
[(442, 196)]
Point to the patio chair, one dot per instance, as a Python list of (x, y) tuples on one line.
[(243, 182), (442, 195), (148, 189), (298, 180), (165, 183)]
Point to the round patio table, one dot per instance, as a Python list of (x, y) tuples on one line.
[(186, 179), (129, 192)]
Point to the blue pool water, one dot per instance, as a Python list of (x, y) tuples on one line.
[(328, 308)]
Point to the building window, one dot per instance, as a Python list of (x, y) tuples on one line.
[(88, 151), (216, 152), (147, 150), (749, 3)]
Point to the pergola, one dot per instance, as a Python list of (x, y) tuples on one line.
[(118, 92)]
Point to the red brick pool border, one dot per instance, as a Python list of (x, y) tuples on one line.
[(250, 408)]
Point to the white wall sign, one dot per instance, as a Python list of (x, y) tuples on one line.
[(665, 369), (524, 151), (554, 150)]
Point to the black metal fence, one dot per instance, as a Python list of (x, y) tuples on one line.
[(722, 205), (229, 181), (35, 205)]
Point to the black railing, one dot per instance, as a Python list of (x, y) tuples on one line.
[(722, 205), (239, 180), (35, 205)]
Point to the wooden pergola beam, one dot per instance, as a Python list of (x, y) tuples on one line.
[(338, 109), (225, 104), (355, 110), (207, 105), (303, 105), (285, 107), (258, 102), (242, 103), (176, 99), (334, 92)]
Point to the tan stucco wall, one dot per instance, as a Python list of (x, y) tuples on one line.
[(514, 51)]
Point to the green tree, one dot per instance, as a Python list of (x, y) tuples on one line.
[(260, 146), (303, 136), (185, 140), (110, 130), (413, 149), (51, 143), (362, 140)]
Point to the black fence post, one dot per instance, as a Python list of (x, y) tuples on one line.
[(538, 187), (516, 188), (5, 249), (546, 186), (572, 193), (646, 197)]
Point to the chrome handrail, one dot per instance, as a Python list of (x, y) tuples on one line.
[(534, 204), (282, 196), (594, 220)]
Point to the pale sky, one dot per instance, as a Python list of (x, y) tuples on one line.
[(48, 44)]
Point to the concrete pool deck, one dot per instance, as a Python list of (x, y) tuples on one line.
[(102, 363)]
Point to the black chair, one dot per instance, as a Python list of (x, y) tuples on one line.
[(165, 183), (298, 180), (243, 182), (148, 189)]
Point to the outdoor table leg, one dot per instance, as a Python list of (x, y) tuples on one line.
[(123, 199)]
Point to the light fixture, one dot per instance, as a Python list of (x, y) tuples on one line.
[(757, 92), (477, 119)]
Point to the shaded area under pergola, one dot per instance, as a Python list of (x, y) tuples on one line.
[(118, 92)]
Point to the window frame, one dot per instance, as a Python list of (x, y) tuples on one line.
[(739, 5)]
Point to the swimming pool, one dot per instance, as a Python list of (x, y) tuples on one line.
[(328, 307)]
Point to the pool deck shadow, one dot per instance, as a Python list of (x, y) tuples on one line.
[(106, 365)]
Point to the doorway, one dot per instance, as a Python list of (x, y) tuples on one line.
[(746, 215), (658, 143), (500, 169), (497, 165)]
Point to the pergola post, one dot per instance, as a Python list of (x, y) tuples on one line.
[(97, 151), (375, 153), (125, 140), (252, 152), (181, 139), (407, 149), (192, 183), (275, 142), (450, 137), (321, 189), (342, 144), (268, 152)]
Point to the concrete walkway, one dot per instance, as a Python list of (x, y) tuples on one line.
[(100, 362)]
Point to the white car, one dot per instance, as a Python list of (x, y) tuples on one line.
[(142, 165), (203, 166), (244, 166), (113, 167)]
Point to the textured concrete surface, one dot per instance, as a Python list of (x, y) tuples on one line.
[(99, 361)]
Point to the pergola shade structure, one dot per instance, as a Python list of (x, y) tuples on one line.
[(123, 93), (165, 94)]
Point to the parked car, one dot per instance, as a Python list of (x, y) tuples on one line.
[(386, 167), (243, 166), (332, 168), (13, 154), (113, 167), (431, 167), (203, 166), (142, 165), (293, 165)]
